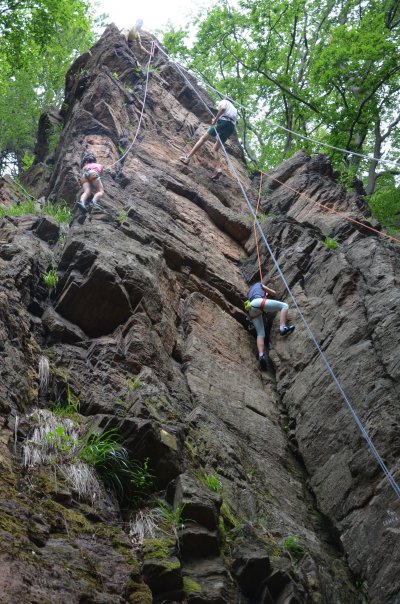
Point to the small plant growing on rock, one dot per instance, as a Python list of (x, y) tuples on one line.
[(262, 217), (26, 207), (212, 481), (50, 278), (62, 441), (27, 161), (130, 480), (170, 519), (59, 210), (123, 216), (330, 243), (70, 409), (62, 239), (134, 384), (293, 546)]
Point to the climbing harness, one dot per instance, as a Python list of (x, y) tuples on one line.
[(389, 476)]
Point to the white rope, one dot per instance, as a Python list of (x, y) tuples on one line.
[(359, 423), (142, 111), (302, 136)]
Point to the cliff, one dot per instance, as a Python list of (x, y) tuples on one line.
[(262, 487)]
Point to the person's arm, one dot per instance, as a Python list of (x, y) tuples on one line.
[(268, 290), (220, 112)]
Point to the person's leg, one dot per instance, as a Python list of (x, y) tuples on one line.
[(224, 130), (86, 192), (282, 307), (217, 156), (260, 345), (99, 190), (258, 323), (203, 139)]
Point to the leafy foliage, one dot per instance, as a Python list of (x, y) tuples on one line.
[(385, 205), (292, 545), (330, 243), (323, 70), (38, 42)]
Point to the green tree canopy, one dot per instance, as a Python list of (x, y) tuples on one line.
[(325, 69), (38, 41)]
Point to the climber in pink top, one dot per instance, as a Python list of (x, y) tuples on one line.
[(91, 182)]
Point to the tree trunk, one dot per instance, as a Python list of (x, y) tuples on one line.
[(370, 188)]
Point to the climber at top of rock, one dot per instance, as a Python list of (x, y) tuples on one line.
[(257, 304), (132, 36), (91, 182), (223, 125)]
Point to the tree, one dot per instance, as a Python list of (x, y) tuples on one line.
[(38, 41), (324, 69)]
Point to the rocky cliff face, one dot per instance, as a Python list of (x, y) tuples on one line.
[(270, 492)]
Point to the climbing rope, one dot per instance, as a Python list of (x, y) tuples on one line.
[(389, 476), (345, 216), (302, 136), (142, 110), (255, 228)]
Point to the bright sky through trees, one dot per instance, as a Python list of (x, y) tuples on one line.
[(155, 13)]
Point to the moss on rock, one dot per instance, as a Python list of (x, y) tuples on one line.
[(191, 586), (157, 548)]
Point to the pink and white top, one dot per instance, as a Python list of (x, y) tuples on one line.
[(96, 167)]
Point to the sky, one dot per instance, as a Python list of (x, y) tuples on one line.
[(155, 13)]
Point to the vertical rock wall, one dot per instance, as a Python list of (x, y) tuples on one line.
[(151, 288)]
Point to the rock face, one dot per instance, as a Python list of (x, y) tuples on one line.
[(274, 495)]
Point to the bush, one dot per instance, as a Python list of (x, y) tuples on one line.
[(293, 546), (385, 206)]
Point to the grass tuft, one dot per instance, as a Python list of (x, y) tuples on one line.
[(50, 278)]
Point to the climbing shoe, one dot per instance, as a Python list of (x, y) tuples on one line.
[(82, 207), (263, 362), (247, 305), (286, 330), (216, 174), (185, 159)]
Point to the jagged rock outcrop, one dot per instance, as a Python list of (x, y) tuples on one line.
[(274, 493)]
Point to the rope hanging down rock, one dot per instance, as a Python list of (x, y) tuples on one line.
[(389, 476), (142, 110), (390, 162)]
